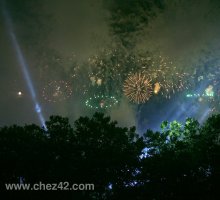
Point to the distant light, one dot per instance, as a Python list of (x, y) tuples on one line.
[(99, 82), (37, 108), (24, 66), (19, 93), (209, 91), (110, 186), (207, 94), (156, 88), (189, 95)]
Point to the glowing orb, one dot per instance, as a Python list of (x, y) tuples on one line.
[(156, 88), (57, 91), (19, 93), (209, 91), (137, 87), (101, 102), (99, 81)]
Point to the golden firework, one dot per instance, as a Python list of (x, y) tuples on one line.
[(166, 77), (156, 88), (137, 87)]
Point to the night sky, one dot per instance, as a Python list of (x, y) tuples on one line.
[(58, 44)]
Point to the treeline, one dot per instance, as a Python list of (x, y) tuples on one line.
[(182, 161)]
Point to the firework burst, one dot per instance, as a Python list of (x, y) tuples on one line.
[(57, 91), (137, 87), (109, 68), (106, 71), (166, 78)]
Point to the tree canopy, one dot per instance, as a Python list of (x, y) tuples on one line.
[(178, 162)]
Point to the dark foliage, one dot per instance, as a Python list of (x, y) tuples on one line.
[(180, 162)]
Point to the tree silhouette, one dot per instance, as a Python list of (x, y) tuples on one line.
[(179, 162)]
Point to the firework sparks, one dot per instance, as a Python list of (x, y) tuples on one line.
[(101, 102), (57, 91), (137, 87), (156, 88), (108, 70), (166, 77)]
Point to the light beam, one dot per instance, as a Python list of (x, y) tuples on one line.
[(24, 66)]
